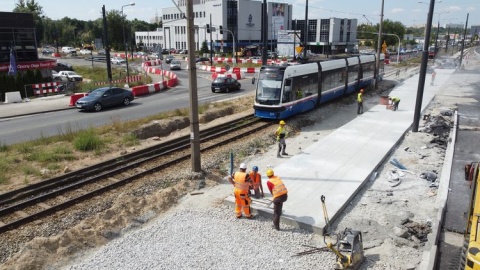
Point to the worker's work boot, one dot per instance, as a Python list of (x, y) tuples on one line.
[(278, 155), (285, 154)]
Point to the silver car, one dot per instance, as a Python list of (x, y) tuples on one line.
[(175, 65)]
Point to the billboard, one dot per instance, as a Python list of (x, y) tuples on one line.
[(286, 41), (278, 19)]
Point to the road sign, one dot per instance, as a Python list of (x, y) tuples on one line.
[(298, 49)]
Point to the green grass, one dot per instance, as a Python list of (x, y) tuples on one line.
[(130, 140), (56, 154), (88, 140), (30, 170)]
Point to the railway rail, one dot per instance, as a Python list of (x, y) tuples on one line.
[(33, 202)]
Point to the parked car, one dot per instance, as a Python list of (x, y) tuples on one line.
[(105, 97), (225, 84), (183, 52), (202, 59), (175, 65), (85, 51), (165, 51), (169, 58), (173, 51), (63, 66), (70, 76), (55, 76), (47, 51), (101, 52), (117, 60)]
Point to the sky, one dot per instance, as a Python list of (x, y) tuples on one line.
[(408, 12)]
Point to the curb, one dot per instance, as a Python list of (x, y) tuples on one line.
[(430, 256)]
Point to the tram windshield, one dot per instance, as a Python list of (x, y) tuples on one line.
[(269, 88)]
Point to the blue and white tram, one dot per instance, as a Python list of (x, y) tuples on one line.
[(283, 91)]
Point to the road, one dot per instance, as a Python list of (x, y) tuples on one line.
[(26, 128)]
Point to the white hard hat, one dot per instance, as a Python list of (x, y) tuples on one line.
[(243, 166)]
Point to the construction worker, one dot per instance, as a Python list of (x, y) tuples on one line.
[(281, 133), (360, 101), (279, 193), (241, 182), (395, 101), (256, 182)]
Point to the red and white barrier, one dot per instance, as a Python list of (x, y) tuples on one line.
[(235, 75), (245, 70), (45, 91), (45, 88), (134, 78), (75, 97), (155, 87), (46, 85)]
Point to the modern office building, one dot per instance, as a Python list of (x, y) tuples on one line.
[(329, 36), (149, 39), (241, 21)]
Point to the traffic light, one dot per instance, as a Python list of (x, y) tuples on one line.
[(221, 30), (208, 28)]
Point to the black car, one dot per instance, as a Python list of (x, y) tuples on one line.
[(105, 97), (202, 59), (165, 51), (169, 58), (225, 84), (62, 66)]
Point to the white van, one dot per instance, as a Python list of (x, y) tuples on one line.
[(68, 50)]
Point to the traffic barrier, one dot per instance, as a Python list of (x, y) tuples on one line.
[(75, 97), (235, 75), (134, 78), (155, 87), (45, 91), (245, 70)]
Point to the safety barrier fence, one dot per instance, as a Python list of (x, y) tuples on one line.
[(134, 78)]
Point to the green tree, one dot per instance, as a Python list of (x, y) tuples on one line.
[(204, 48), (32, 6)]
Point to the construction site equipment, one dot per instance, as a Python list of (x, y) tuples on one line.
[(348, 247), (471, 255)]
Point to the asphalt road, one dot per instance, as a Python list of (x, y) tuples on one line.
[(26, 128)]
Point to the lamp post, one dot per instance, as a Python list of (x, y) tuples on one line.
[(438, 28), (125, 43), (379, 46)]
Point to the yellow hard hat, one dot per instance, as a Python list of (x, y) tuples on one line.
[(282, 122), (269, 172)]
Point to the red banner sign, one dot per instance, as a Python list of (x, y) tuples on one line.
[(30, 65)]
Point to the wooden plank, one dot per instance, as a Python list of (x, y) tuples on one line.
[(44, 205), (21, 214)]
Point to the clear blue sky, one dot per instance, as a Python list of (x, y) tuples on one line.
[(409, 12)]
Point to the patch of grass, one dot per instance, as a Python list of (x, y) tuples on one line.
[(28, 169), (53, 166), (3, 179), (130, 140), (56, 154), (3, 147), (67, 133), (88, 140), (24, 148)]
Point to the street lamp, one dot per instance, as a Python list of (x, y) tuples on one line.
[(124, 41)]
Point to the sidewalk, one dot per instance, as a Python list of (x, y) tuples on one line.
[(35, 106)]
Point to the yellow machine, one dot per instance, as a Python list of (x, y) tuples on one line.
[(471, 256), (349, 245)]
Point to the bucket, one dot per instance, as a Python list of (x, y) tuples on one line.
[(383, 100)]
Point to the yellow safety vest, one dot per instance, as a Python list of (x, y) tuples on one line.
[(360, 97), (240, 183), (281, 133), (278, 187)]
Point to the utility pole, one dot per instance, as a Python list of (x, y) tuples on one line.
[(448, 38), (436, 40), (264, 33), (211, 42), (192, 80), (423, 69), (107, 46), (377, 61), (463, 42), (305, 38)]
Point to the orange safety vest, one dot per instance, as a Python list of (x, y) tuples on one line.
[(240, 183), (256, 177), (278, 187)]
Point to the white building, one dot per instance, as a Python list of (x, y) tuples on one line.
[(241, 19), (327, 36), (149, 39)]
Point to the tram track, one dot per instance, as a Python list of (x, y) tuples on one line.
[(33, 202)]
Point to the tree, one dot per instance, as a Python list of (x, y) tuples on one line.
[(204, 48), (31, 6)]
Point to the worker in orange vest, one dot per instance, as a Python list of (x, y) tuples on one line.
[(256, 183), (279, 193), (241, 182)]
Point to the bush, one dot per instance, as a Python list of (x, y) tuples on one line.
[(87, 140)]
